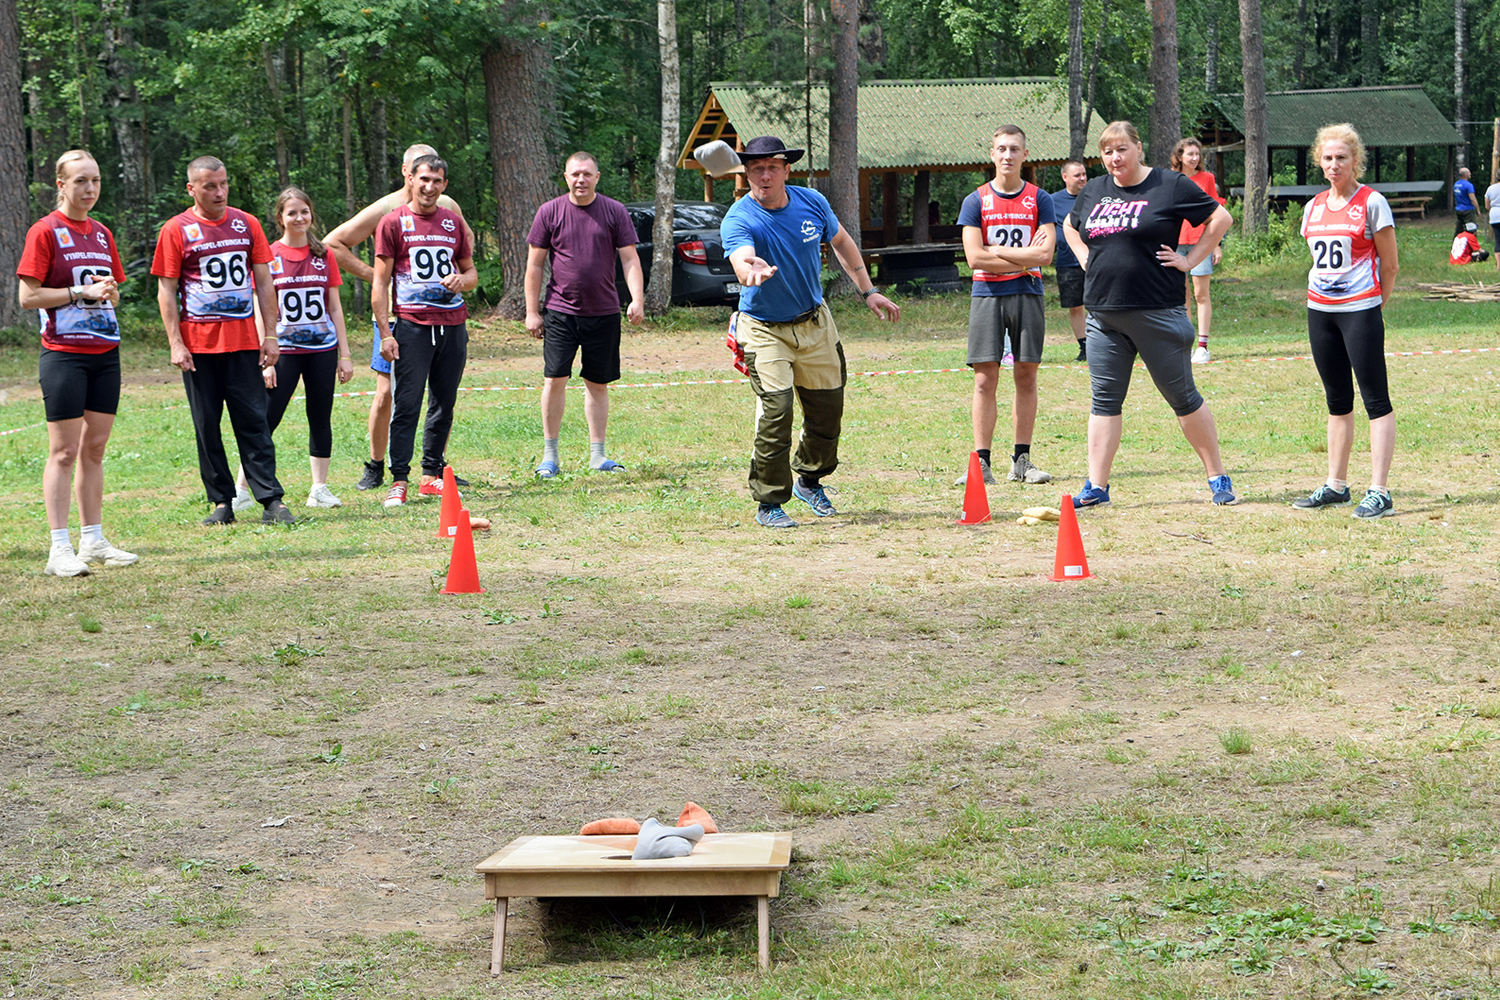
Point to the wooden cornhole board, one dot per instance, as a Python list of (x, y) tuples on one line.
[(722, 864)]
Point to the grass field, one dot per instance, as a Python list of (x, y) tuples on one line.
[(1257, 756)]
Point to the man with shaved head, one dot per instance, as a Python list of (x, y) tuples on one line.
[(344, 242)]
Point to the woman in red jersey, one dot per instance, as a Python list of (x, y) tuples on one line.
[(1352, 239), (70, 272), (310, 334)]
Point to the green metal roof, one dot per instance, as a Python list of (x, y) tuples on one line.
[(1383, 116), (912, 123)]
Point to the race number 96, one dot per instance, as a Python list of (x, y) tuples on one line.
[(223, 271)]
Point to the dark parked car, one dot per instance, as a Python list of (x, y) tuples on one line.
[(700, 274)]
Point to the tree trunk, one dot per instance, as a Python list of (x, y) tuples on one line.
[(1211, 51), (1369, 43), (659, 291), (1093, 74), (15, 208), (1460, 90), (1257, 165), (278, 114), (126, 116), (843, 118), (1299, 46), (1166, 104), (1078, 129), (518, 100)]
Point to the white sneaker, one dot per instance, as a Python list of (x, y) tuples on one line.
[(102, 551), (1200, 356), (243, 501), (63, 561), (1022, 471), (322, 496)]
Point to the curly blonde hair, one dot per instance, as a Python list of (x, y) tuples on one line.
[(1342, 132)]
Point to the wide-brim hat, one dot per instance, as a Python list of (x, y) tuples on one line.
[(764, 147)]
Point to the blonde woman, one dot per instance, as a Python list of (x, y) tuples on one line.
[(1123, 229), (1187, 159), (1352, 238), (70, 272)]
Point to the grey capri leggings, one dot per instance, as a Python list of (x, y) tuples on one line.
[(1164, 340)]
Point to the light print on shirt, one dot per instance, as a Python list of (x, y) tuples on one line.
[(1113, 215)]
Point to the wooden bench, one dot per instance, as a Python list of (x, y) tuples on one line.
[(722, 864), (1414, 205)]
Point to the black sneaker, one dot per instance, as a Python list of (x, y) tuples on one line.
[(277, 512), (1323, 496), (373, 477), (459, 480), (221, 514)]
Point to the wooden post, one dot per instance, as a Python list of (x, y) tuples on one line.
[(921, 195), (708, 187), (1495, 156), (1301, 166), (497, 947), (1411, 163), (1377, 165), (763, 930), (888, 220), (864, 201)]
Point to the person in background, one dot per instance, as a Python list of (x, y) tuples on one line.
[(1492, 206), (1464, 211), (70, 272), (1075, 174), (1187, 159), (1466, 248)]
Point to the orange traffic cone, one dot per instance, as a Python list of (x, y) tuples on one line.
[(976, 500), (1071, 563), (463, 570), (450, 507)]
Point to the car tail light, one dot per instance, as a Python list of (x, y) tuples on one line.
[(694, 252)]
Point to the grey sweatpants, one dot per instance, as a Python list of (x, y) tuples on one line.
[(1164, 340)]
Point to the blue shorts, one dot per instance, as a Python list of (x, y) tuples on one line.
[(377, 363), (1205, 266)]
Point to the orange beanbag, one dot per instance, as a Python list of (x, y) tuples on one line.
[(694, 813), (613, 825)]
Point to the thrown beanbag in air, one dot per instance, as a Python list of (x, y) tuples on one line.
[(613, 825), (657, 841), (694, 813)]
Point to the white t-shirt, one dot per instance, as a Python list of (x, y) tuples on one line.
[(1492, 194)]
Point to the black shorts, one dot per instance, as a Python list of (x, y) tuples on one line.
[(599, 337), (1070, 286), (74, 382)]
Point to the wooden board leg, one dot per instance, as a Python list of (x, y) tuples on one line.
[(763, 921), (497, 947)]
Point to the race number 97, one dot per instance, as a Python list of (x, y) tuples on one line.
[(430, 264), (225, 270)]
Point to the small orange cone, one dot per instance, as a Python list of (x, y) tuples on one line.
[(976, 500), (463, 570), (450, 506), (1071, 563)]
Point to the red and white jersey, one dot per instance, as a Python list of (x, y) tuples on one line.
[(1345, 274), (60, 253), (1008, 221), (303, 283), (425, 250), (1465, 245), (214, 283)]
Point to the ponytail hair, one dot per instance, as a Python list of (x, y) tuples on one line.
[(314, 244), (71, 156)]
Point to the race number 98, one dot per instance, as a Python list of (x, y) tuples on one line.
[(431, 264), (226, 270)]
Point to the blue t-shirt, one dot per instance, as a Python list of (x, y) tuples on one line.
[(970, 215), (1062, 207), (789, 238), (1463, 196)]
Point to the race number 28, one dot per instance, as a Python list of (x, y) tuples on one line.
[(1009, 236)]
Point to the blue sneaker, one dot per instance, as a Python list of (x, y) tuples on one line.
[(1323, 496), (547, 470), (1223, 491), (608, 465), (1091, 496), (772, 516), (1375, 504), (814, 498)]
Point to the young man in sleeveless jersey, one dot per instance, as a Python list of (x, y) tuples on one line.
[(205, 259), (425, 261), (1009, 232)]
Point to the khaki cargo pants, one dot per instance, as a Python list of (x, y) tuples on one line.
[(806, 359)]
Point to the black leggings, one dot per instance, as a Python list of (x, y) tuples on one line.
[(317, 370), (1349, 346)]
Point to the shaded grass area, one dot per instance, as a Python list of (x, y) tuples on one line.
[(1255, 757)]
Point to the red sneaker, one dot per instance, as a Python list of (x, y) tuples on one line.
[(432, 489), (396, 495)]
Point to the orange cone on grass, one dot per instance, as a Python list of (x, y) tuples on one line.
[(463, 569), (1071, 563), (450, 506), (976, 500)]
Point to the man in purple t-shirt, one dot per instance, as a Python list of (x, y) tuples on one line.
[(581, 232)]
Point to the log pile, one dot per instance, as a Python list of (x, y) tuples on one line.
[(1461, 291)]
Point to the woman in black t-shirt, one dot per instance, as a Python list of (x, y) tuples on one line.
[(1124, 229)]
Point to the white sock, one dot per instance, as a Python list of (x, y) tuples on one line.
[(1381, 489), (549, 449), (1338, 484), (91, 533), (60, 538), (596, 454)]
